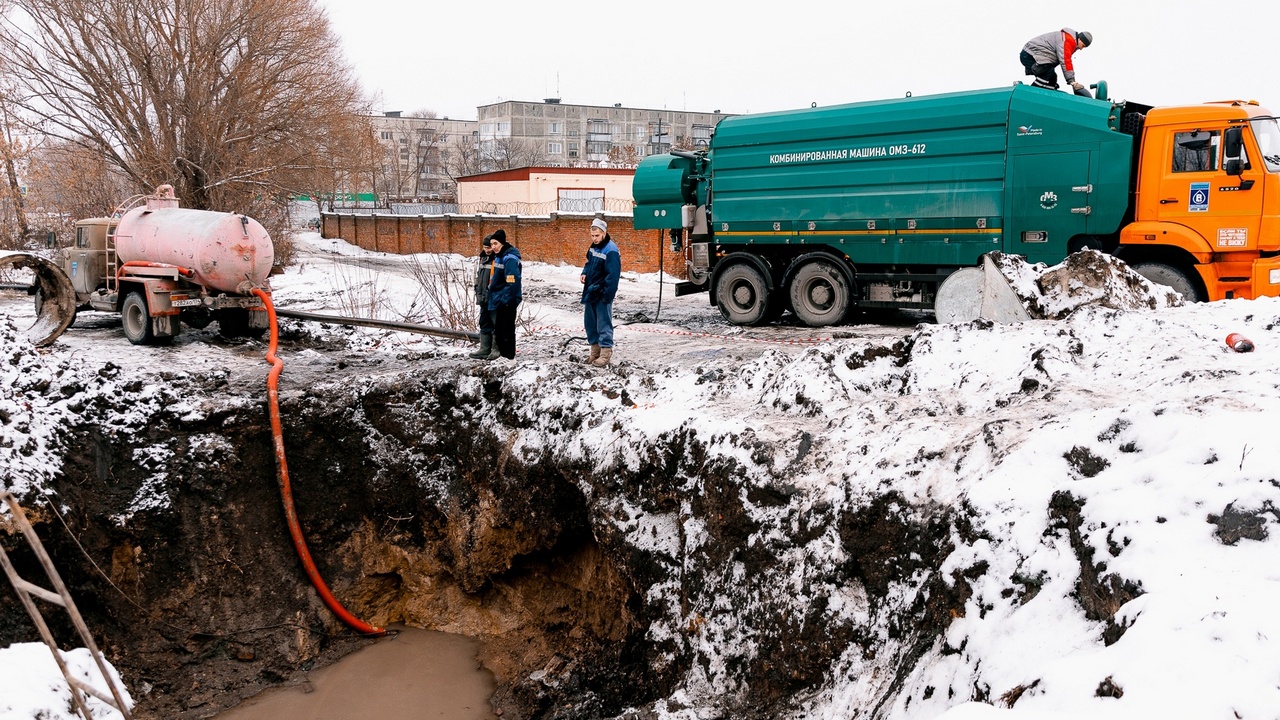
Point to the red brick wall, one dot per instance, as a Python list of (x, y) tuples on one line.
[(555, 239)]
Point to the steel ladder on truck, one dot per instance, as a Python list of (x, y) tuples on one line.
[(28, 591)]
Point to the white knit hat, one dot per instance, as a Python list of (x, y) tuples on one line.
[(601, 224)]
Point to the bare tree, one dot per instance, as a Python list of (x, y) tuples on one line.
[(463, 158), (236, 103), (14, 226), (506, 153), (70, 183), (415, 151), (683, 142)]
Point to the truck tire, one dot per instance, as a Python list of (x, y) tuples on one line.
[(1174, 278), (233, 322), (819, 294), (136, 319), (743, 295)]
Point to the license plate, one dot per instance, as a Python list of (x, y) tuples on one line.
[(187, 302)]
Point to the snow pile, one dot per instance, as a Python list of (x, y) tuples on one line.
[(34, 686), (30, 412), (1085, 279), (1105, 480)]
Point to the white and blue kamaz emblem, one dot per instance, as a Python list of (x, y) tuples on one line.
[(1199, 198)]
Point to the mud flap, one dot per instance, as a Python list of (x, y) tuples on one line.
[(58, 295), (978, 292)]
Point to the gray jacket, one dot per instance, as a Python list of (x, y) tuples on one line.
[(1050, 49), (482, 279)]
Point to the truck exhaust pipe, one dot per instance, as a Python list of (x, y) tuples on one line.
[(55, 297)]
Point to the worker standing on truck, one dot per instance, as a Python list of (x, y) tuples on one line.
[(504, 294), (599, 287), (485, 319), (1042, 55)]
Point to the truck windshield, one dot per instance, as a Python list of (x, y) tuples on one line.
[(1268, 134)]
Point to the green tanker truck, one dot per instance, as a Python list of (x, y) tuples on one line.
[(822, 211)]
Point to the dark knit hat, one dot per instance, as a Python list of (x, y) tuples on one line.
[(499, 235)]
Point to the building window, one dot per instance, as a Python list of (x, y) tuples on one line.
[(573, 133), (598, 127), (555, 148), (385, 134), (555, 127)]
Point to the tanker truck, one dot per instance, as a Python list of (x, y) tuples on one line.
[(822, 211), (159, 265)]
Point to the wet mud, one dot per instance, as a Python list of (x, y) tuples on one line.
[(411, 675)]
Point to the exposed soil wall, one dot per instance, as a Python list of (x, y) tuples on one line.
[(596, 586)]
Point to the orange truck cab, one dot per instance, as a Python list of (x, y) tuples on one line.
[(1206, 206)]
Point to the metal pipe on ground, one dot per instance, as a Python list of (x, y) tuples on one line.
[(384, 324)]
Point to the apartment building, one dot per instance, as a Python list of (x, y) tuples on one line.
[(422, 157), (415, 163), (554, 134)]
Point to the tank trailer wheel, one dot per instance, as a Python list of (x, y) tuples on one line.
[(233, 322), (819, 294), (136, 319), (1169, 276), (743, 295)]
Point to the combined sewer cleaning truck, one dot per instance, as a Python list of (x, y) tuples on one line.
[(158, 265), (878, 204)]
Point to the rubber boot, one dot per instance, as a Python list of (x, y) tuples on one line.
[(494, 353), (606, 354), (595, 353), (486, 347)]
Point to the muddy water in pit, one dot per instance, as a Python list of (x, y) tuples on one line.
[(413, 674)]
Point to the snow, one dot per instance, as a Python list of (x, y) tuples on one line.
[(33, 686), (1127, 404)]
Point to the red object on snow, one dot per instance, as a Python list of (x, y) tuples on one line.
[(1239, 343)]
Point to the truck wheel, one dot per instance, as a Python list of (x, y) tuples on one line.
[(136, 319), (819, 294), (198, 319), (233, 322), (1169, 276), (743, 295)]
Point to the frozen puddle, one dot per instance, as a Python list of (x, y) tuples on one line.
[(413, 674)]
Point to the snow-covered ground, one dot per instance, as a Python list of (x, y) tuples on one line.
[(1142, 420)]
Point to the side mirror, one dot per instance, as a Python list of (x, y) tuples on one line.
[(1233, 166), (51, 240), (1233, 142)]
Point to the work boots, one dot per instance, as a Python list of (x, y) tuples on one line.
[(595, 353), (486, 347), (606, 354)]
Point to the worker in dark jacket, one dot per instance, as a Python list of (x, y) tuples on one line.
[(485, 319), (504, 294), (599, 287), (1042, 55)]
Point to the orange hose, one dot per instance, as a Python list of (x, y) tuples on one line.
[(286, 494)]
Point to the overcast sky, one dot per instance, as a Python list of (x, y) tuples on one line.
[(453, 56)]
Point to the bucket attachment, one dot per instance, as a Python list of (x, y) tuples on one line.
[(55, 296), (978, 293)]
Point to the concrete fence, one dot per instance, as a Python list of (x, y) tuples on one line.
[(554, 239)]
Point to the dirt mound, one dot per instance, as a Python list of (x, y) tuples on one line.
[(1085, 279)]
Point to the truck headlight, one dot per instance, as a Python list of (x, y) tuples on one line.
[(1273, 277)]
